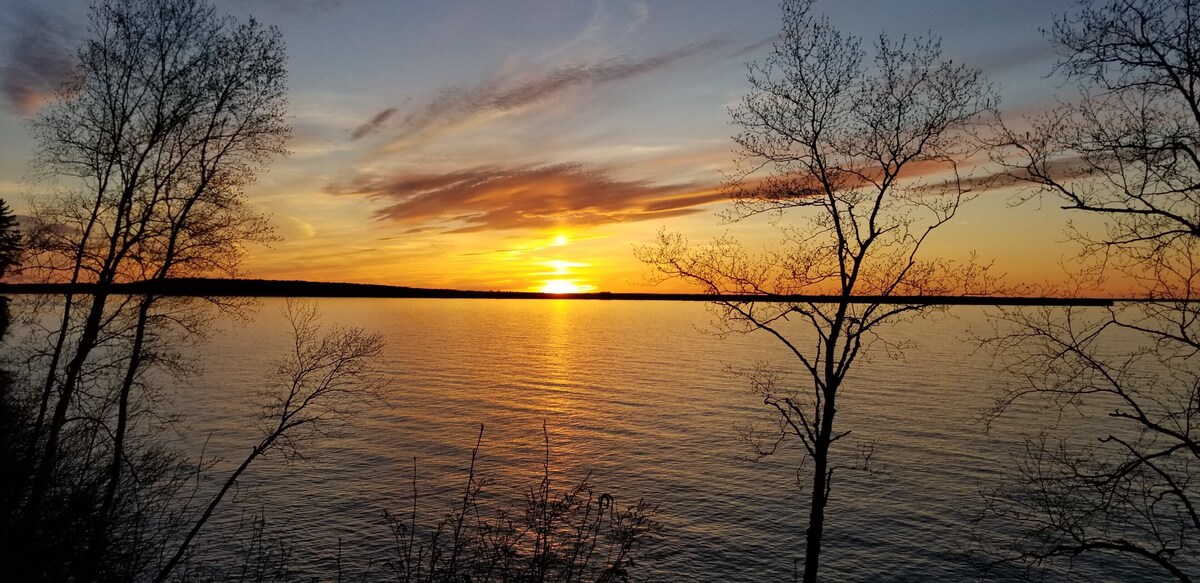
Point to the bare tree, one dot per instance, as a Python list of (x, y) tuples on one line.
[(324, 381), (842, 141), (170, 111), (1125, 152), (567, 534)]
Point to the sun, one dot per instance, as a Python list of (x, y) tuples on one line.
[(561, 286)]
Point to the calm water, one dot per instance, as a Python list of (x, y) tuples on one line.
[(639, 395)]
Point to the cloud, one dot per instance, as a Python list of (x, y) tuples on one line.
[(641, 13), (294, 227), (605, 26), (299, 6), (532, 197), (373, 124), (512, 92), (754, 47), (1003, 60), (37, 59)]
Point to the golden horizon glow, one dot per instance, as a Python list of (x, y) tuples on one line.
[(564, 286), (564, 278), (562, 267)]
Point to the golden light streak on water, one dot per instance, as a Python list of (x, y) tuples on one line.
[(636, 393)]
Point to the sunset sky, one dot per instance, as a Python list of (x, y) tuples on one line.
[(523, 145)]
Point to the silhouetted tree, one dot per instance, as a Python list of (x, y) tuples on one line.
[(328, 375), (10, 239), (10, 252), (1125, 152), (10, 415), (169, 112), (566, 535), (842, 141)]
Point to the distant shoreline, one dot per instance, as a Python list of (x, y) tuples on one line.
[(282, 288)]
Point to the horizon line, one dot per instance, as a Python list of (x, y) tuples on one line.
[(217, 287)]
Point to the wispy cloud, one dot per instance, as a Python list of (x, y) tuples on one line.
[(1001, 60), (373, 124), (753, 47), (299, 6), (36, 60), (606, 26), (533, 197), (641, 13), (514, 91)]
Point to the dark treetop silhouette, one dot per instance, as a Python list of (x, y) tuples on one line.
[(168, 113), (827, 129), (1126, 151)]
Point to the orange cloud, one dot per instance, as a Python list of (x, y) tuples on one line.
[(532, 197)]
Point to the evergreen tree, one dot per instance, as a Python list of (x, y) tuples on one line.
[(10, 238)]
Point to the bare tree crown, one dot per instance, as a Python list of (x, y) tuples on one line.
[(1123, 153), (169, 113), (866, 152)]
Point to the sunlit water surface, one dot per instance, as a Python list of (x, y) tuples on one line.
[(640, 395)]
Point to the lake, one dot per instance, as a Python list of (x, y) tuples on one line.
[(640, 395)]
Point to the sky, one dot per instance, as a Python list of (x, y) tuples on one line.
[(534, 144)]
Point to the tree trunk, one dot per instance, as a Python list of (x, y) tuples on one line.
[(816, 517), (822, 476), (98, 546), (49, 457)]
